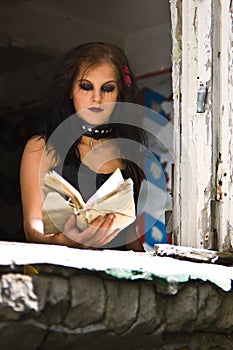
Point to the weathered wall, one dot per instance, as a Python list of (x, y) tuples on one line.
[(64, 307), (150, 50), (46, 29), (202, 54)]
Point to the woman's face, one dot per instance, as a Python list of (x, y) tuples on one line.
[(94, 93)]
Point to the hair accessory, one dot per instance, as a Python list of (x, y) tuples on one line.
[(127, 76)]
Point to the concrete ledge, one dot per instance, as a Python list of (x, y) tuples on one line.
[(66, 307)]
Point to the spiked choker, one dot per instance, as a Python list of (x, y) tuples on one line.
[(99, 131)]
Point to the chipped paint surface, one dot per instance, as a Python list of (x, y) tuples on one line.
[(223, 92), (121, 264), (205, 41), (193, 144), (176, 21)]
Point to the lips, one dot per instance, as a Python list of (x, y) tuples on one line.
[(95, 109)]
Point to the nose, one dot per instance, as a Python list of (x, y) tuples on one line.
[(97, 95)]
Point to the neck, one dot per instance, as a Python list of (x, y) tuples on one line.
[(86, 140)]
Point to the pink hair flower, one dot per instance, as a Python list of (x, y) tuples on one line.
[(128, 80)]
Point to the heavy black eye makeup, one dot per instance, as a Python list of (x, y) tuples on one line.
[(107, 87), (88, 86)]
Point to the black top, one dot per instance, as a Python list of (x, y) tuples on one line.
[(80, 176)]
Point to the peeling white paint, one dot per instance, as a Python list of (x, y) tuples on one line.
[(205, 42), (224, 129), (122, 264)]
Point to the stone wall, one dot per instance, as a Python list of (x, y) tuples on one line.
[(62, 308), (46, 306)]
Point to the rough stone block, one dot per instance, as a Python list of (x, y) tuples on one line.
[(54, 298), (181, 310), (51, 289), (17, 292), (122, 305), (224, 319), (208, 304), (149, 315), (87, 301)]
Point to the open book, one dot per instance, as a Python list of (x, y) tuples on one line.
[(62, 199)]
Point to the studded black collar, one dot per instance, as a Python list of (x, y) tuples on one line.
[(99, 131)]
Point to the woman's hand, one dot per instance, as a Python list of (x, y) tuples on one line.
[(96, 235), (34, 233)]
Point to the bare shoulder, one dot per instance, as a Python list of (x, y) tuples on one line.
[(35, 144), (35, 155)]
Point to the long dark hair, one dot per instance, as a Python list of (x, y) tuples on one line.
[(59, 106)]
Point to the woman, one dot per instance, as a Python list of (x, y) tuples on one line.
[(90, 83)]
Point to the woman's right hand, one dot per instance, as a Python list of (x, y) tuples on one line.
[(97, 235)]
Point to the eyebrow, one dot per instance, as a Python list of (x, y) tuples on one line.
[(107, 82)]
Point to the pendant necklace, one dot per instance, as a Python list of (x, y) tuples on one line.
[(97, 147), (97, 133)]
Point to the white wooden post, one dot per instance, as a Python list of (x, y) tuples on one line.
[(176, 21), (203, 144), (193, 131), (203, 141), (223, 111)]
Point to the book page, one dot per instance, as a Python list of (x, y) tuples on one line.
[(55, 212), (56, 182), (108, 187), (121, 203)]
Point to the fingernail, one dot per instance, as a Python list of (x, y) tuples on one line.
[(111, 216)]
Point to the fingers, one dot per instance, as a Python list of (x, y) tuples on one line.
[(71, 231), (110, 237), (104, 232), (98, 233), (107, 223)]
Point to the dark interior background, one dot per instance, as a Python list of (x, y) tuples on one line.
[(34, 35)]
